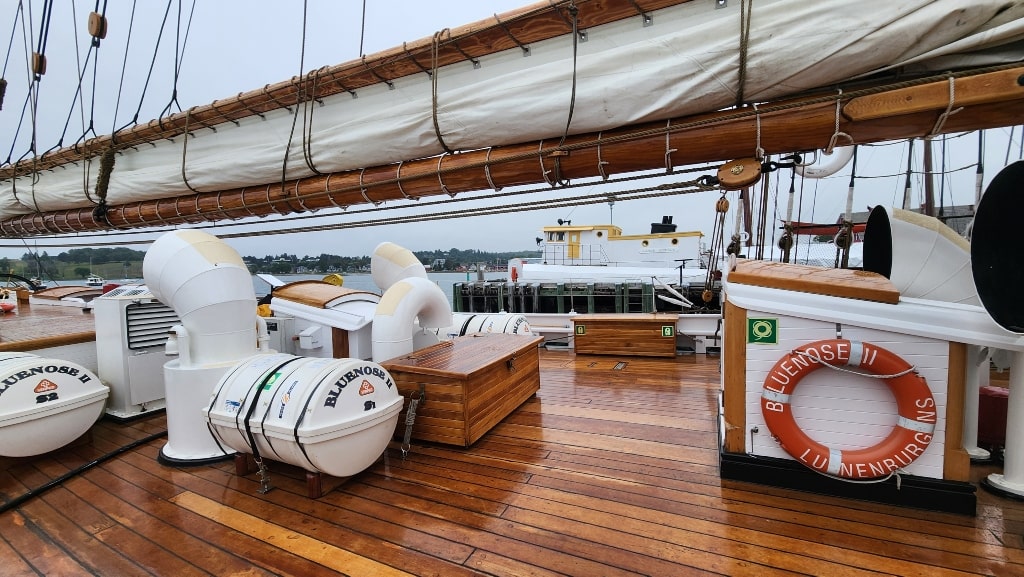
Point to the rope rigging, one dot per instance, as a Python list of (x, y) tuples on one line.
[(124, 67), (179, 55), (7, 58), (558, 154), (657, 191), (717, 245), (844, 238), (300, 97), (152, 64)]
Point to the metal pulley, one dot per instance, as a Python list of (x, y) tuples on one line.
[(786, 241), (734, 245), (843, 238), (740, 173)]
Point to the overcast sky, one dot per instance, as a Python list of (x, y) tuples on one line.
[(239, 45)]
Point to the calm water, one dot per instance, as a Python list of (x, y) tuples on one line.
[(445, 280)]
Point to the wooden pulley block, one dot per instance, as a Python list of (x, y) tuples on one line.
[(739, 174), (97, 25), (38, 64)]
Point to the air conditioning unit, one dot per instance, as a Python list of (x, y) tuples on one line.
[(132, 327), (281, 331)]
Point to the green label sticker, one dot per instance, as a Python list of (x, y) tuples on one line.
[(668, 330), (763, 331), (581, 329), (269, 384)]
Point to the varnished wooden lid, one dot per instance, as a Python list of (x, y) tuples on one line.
[(838, 282), (314, 293), (626, 317), (463, 355), (60, 292)]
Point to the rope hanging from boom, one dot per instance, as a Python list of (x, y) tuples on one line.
[(717, 241)]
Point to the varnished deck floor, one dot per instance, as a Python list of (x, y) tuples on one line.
[(605, 472)]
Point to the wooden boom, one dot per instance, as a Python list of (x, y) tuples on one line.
[(990, 100)]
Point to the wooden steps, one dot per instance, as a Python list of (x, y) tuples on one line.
[(603, 472)]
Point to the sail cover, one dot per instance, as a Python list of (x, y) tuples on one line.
[(687, 61)]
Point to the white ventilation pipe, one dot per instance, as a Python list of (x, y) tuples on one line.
[(395, 320), (206, 283), (830, 163), (922, 257), (391, 263), (998, 274)]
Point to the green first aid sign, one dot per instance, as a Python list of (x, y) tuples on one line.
[(763, 331)]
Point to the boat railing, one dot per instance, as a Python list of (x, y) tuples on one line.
[(585, 254)]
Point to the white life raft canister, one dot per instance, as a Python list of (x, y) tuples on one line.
[(45, 403), (334, 416)]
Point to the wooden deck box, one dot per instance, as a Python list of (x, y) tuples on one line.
[(469, 384), (643, 334)]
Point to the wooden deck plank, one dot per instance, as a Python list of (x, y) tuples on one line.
[(604, 472), (293, 509), (146, 518), (328, 555), (548, 551), (91, 553), (486, 487), (37, 549), (14, 565)]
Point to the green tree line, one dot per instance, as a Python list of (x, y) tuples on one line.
[(120, 262)]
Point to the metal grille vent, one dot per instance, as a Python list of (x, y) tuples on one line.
[(148, 324)]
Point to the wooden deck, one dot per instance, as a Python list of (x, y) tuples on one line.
[(605, 472)]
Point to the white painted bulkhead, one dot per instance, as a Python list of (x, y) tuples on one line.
[(841, 410), (605, 245)]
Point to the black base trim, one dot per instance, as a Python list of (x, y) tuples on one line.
[(1000, 491), (916, 492), (136, 417), (173, 462)]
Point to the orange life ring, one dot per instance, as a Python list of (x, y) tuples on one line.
[(908, 439)]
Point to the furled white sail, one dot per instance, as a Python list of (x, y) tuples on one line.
[(625, 73)]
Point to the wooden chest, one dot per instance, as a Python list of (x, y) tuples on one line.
[(469, 384), (643, 334)]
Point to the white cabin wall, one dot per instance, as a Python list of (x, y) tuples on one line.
[(842, 410)]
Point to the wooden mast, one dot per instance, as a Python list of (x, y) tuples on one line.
[(988, 100)]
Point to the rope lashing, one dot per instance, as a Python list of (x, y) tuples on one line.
[(107, 160), (435, 48)]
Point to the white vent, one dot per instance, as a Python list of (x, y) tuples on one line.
[(148, 324)]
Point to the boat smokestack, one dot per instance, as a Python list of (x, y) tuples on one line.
[(664, 226)]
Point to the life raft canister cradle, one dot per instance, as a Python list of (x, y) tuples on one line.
[(907, 441)]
